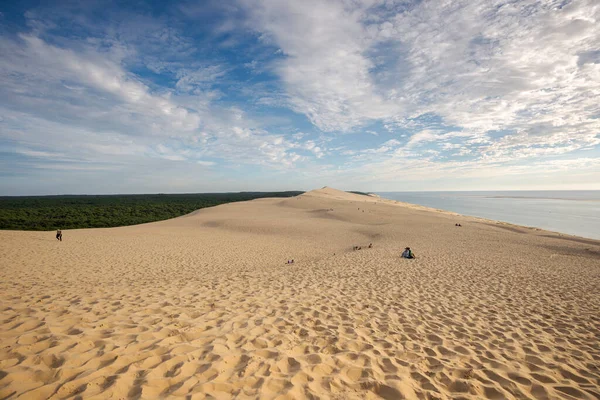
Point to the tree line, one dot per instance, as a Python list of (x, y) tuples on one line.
[(42, 213)]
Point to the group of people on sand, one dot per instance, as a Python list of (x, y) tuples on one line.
[(407, 253)]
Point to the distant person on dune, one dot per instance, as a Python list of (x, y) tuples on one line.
[(59, 235), (407, 253)]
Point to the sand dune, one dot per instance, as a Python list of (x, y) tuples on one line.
[(205, 306)]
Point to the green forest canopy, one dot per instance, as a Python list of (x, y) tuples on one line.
[(42, 213)]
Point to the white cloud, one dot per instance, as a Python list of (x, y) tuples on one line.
[(33, 74), (198, 79), (392, 143), (425, 136), (205, 163), (311, 146), (528, 68), (325, 70), (85, 105), (36, 153), (501, 85)]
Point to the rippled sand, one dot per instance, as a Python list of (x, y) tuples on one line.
[(205, 306)]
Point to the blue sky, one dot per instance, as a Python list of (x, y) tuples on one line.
[(374, 95)]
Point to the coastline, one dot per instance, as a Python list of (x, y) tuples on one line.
[(513, 223)]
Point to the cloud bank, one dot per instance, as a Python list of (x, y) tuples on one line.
[(268, 95)]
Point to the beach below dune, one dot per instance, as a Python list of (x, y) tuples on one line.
[(570, 212), (206, 306)]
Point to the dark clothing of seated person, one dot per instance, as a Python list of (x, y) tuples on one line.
[(407, 253)]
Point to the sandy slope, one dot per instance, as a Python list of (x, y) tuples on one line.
[(205, 306)]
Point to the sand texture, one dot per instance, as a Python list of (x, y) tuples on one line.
[(205, 306)]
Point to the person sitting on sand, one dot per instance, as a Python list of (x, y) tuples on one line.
[(408, 253), (59, 235)]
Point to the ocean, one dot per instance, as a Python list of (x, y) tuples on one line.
[(575, 212)]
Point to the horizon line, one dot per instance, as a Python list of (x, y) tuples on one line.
[(303, 191)]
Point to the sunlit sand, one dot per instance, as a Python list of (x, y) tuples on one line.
[(206, 306)]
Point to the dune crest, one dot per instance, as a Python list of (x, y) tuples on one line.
[(206, 306), (330, 193)]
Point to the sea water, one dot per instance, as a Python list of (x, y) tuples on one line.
[(574, 212)]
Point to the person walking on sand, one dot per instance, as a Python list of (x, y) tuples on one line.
[(407, 253), (59, 235)]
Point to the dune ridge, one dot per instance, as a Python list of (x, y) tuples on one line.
[(205, 306)]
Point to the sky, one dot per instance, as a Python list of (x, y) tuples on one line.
[(101, 97)]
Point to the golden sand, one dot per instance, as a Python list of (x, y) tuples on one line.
[(205, 306)]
